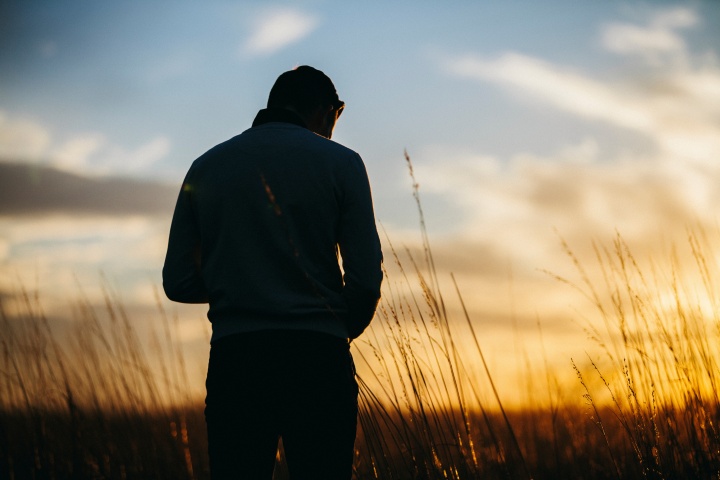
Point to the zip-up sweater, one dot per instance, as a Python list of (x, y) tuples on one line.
[(257, 228)]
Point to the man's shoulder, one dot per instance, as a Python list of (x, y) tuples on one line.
[(273, 139), (333, 146), (294, 135)]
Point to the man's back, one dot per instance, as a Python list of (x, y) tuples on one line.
[(271, 206)]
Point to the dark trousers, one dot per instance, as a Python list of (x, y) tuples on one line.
[(297, 385)]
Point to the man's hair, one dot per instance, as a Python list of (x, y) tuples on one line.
[(304, 88)]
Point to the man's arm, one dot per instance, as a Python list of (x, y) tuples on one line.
[(360, 250), (182, 281)]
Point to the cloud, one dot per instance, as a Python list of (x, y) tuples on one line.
[(654, 40), (74, 154), (578, 190), (92, 154), (559, 87), (516, 211), (278, 29), (27, 189), (526, 194), (678, 109), (87, 153), (20, 138)]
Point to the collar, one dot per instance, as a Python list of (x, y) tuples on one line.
[(268, 115)]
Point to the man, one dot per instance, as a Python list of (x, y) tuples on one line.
[(256, 233)]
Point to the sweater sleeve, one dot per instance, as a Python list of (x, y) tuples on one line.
[(182, 280), (360, 250)]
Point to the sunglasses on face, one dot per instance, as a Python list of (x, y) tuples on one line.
[(339, 107)]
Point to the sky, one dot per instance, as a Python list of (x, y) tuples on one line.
[(528, 124)]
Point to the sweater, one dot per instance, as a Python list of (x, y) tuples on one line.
[(275, 229)]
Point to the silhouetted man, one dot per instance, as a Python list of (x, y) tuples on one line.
[(256, 233)]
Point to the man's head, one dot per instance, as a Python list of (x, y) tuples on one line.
[(312, 95)]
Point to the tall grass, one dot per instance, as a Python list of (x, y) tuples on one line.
[(660, 359), (95, 406), (112, 403)]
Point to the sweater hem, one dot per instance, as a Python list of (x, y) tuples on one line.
[(226, 327)]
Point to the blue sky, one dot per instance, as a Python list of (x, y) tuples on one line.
[(525, 121)]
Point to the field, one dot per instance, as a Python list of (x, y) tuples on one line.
[(111, 404)]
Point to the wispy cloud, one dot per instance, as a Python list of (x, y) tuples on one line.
[(277, 29), (74, 154), (93, 154), (515, 211), (528, 196), (556, 86), (652, 41), (89, 153), (676, 107)]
